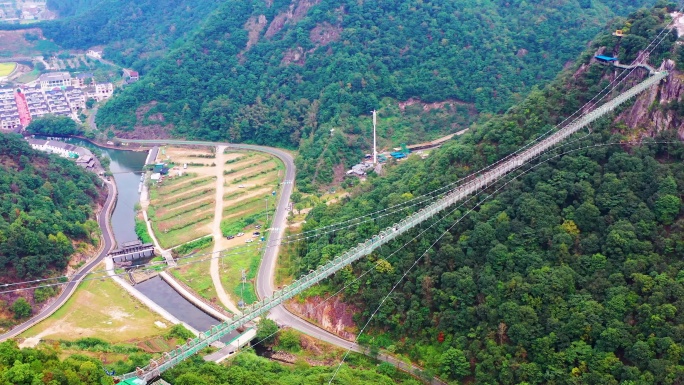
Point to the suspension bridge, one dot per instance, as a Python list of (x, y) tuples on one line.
[(476, 182)]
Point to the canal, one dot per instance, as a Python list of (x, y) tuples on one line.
[(126, 167)]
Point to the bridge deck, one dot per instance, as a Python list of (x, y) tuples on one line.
[(477, 182)]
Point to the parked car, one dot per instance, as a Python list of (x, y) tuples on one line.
[(250, 240), (240, 234), (256, 233), (257, 227), (230, 237)]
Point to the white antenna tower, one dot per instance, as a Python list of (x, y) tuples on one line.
[(375, 149)]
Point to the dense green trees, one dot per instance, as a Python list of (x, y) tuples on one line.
[(571, 274), (134, 33), (71, 7), (53, 125), (486, 54), (21, 308), (43, 366), (47, 203), (247, 368), (266, 331)]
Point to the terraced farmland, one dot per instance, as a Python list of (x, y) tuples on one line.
[(182, 208)]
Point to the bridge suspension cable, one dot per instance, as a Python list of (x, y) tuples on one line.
[(482, 181)]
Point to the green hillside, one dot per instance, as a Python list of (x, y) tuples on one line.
[(65, 8), (277, 75), (134, 33), (572, 274)]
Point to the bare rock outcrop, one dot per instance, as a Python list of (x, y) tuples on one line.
[(334, 315), (650, 113), (294, 13)]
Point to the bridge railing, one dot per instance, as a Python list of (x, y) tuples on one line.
[(479, 181)]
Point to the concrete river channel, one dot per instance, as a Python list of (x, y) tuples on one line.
[(127, 168)]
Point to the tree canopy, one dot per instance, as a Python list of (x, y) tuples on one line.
[(47, 204), (570, 274), (53, 125)]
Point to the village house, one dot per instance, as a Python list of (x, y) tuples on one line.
[(82, 79), (130, 75), (54, 146), (95, 53), (52, 80), (84, 157)]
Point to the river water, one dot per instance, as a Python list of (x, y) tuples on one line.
[(127, 166)]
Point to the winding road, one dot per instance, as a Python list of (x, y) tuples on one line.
[(265, 276), (74, 280)]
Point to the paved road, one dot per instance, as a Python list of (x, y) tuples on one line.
[(265, 283), (266, 273), (107, 235)]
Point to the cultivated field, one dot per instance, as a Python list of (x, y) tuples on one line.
[(7, 68), (182, 205), (250, 179), (182, 208), (99, 308)]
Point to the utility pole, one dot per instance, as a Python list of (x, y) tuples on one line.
[(242, 289), (375, 148)]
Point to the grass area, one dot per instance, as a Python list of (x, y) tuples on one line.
[(28, 77), (231, 268), (285, 266), (196, 275), (100, 308), (7, 68)]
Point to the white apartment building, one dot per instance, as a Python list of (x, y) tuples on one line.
[(52, 80)]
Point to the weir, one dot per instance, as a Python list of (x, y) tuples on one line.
[(477, 182)]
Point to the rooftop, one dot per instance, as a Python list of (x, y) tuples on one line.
[(84, 75), (55, 76), (37, 142)]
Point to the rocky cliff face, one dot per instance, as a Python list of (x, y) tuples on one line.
[(651, 111), (334, 315)]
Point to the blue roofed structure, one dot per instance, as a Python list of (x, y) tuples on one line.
[(605, 59)]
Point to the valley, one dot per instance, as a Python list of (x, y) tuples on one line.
[(539, 244)]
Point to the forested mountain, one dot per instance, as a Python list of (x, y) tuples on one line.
[(134, 32), (571, 274), (282, 72), (47, 205), (65, 8)]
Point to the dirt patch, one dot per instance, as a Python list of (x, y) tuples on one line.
[(325, 33), (254, 26), (334, 315), (293, 56), (294, 13), (450, 103), (15, 41), (117, 314)]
